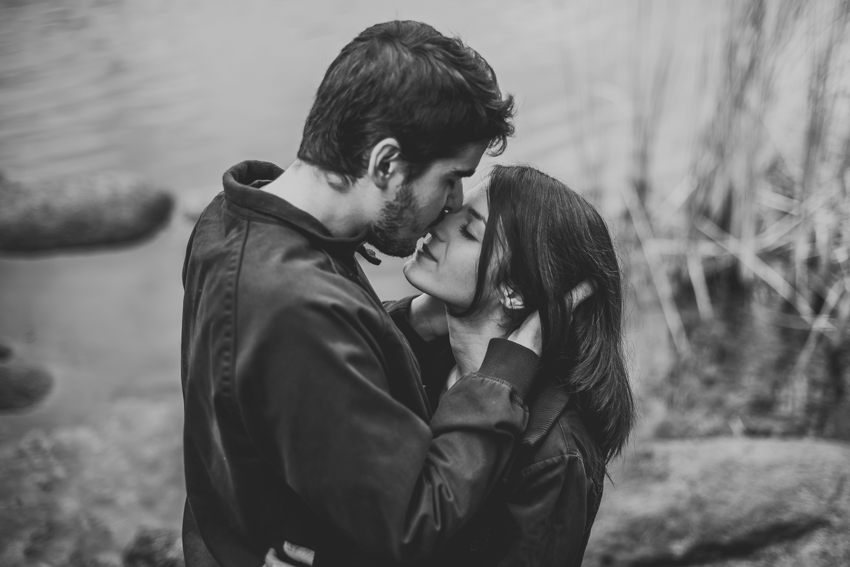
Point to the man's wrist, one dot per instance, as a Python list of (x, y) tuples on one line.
[(511, 362)]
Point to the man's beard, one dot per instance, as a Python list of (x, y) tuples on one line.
[(398, 217)]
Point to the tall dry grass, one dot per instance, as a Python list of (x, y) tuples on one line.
[(764, 225)]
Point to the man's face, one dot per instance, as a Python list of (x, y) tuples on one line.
[(418, 204)]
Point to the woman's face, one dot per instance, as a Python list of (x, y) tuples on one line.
[(445, 265)]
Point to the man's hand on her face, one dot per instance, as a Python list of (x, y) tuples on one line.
[(530, 333), (428, 317)]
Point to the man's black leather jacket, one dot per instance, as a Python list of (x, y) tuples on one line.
[(305, 417)]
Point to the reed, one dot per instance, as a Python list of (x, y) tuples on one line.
[(783, 219), (761, 226)]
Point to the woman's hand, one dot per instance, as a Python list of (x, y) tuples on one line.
[(301, 556), (428, 317), (272, 560)]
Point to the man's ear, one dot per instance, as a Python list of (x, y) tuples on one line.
[(384, 162), (510, 298)]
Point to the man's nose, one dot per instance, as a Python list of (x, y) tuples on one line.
[(454, 201)]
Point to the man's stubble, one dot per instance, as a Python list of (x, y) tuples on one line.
[(390, 234)]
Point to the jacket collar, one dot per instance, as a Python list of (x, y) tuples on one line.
[(242, 184)]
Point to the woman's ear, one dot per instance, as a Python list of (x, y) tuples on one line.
[(510, 298), (384, 162)]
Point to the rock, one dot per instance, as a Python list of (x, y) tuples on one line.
[(724, 501), (79, 559), (76, 495), (22, 385), (93, 211), (155, 548)]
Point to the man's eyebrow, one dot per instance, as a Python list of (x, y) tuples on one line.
[(476, 215), (462, 172)]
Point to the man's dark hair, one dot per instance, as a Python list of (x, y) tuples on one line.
[(404, 80)]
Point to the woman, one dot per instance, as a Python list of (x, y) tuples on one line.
[(521, 243)]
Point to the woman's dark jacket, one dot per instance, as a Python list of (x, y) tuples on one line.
[(542, 511)]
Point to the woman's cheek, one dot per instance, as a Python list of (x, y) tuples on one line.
[(471, 273)]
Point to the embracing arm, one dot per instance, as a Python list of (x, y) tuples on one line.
[(313, 394)]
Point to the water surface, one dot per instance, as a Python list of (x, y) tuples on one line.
[(179, 90)]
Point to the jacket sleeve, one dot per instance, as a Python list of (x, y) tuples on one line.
[(549, 513), (435, 357), (313, 394)]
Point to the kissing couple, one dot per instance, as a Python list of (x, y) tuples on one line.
[(469, 425)]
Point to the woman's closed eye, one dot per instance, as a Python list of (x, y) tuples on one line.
[(465, 232)]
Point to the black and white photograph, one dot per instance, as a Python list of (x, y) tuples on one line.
[(374, 283)]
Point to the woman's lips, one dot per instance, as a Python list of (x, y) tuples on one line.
[(427, 253)]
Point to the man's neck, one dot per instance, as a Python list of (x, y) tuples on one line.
[(341, 210)]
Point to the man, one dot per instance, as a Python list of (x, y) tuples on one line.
[(306, 423)]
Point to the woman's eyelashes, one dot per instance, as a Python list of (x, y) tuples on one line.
[(465, 232)]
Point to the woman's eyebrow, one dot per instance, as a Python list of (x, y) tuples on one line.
[(476, 215)]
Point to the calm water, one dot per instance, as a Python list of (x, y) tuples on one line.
[(179, 90)]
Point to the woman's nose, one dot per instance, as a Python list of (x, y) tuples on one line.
[(432, 234), (440, 230)]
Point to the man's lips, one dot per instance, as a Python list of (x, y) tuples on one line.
[(427, 253)]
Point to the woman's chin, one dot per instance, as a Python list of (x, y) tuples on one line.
[(418, 278), (410, 270), (408, 267)]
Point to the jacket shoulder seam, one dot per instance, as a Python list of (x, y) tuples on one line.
[(232, 307)]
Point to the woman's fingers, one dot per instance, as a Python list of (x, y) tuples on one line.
[(302, 555), (530, 333), (273, 561)]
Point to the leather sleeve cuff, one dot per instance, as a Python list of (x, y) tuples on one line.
[(511, 362)]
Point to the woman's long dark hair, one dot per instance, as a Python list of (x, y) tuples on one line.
[(554, 240)]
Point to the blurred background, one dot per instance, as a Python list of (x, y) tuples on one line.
[(714, 136)]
